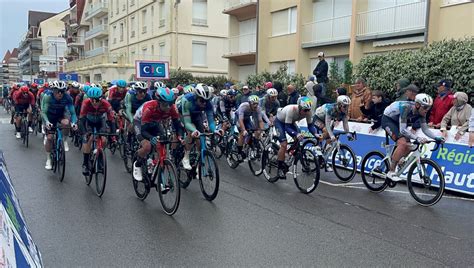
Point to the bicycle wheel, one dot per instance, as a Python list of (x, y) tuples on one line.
[(100, 172), (344, 163), (216, 149), (426, 190), (208, 175), (142, 188), (61, 162), (255, 157), (184, 176), (306, 173), (374, 170), (270, 162), (122, 140), (126, 154), (91, 168), (167, 186), (232, 153)]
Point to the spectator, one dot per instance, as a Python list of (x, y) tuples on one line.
[(321, 73), (442, 103), (310, 92), (317, 89), (376, 108), (340, 91), (400, 87), (244, 97), (268, 85), (293, 94), (457, 116), (471, 129), (410, 92), (282, 97), (361, 95), (260, 91)]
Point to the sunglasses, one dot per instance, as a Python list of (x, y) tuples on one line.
[(306, 110), (425, 107), (60, 91), (165, 104)]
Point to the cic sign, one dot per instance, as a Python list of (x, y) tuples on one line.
[(152, 69)]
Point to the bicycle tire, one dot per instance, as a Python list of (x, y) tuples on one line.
[(121, 144), (231, 158), (269, 162), (365, 174), (142, 194), (337, 169), (91, 169), (209, 158), (411, 184), (174, 187), (100, 160), (254, 154), (61, 163), (306, 159)]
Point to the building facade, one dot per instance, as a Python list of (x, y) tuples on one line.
[(10, 68)]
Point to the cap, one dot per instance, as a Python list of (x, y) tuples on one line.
[(245, 87), (321, 54), (412, 88), (444, 82), (341, 91)]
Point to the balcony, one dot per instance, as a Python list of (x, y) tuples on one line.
[(327, 32), (97, 31), (241, 9), (75, 41), (96, 10), (242, 48), (406, 19), (95, 52)]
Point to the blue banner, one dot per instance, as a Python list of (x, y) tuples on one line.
[(152, 70), (69, 77), (39, 81)]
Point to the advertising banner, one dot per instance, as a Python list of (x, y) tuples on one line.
[(152, 70), (69, 77)]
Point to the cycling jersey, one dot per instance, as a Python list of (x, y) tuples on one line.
[(327, 113), (115, 97), (400, 113), (245, 112), (151, 116), (23, 99), (225, 107), (74, 92), (132, 103), (192, 113), (95, 115), (286, 122), (269, 107), (53, 110)]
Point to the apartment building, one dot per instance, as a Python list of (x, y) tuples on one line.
[(292, 32), (10, 69), (75, 30)]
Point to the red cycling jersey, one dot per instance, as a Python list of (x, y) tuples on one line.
[(115, 94), (94, 114), (151, 112), (21, 99)]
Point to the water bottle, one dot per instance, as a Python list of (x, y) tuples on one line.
[(149, 164)]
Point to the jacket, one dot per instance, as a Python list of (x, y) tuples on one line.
[(358, 98), (458, 117), (321, 71), (375, 112), (293, 97), (441, 106)]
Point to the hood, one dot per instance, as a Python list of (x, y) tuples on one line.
[(461, 99)]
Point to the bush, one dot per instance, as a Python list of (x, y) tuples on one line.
[(441, 60), (281, 76), (185, 78), (347, 72)]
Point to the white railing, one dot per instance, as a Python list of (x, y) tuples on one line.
[(95, 9), (393, 19), (328, 30), (95, 52), (96, 29), (246, 43), (75, 40), (120, 59), (235, 3)]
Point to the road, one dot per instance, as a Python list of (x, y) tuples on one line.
[(250, 223)]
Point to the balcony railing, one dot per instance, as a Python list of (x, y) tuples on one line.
[(96, 31), (119, 59), (242, 44), (97, 9), (230, 4), (75, 41), (392, 20), (95, 52), (327, 31)]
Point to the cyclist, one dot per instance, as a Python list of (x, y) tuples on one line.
[(270, 104), (285, 122), (243, 120), (74, 90), (191, 107), (95, 110), (55, 106), (228, 104), (186, 90), (80, 98), (105, 89), (148, 122), (154, 87), (24, 102), (394, 122), (34, 89), (175, 92), (117, 94), (134, 99)]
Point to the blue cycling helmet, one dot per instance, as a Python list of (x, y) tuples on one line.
[(164, 94), (94, 93), (121, 83), (86, 88), (232, 92)]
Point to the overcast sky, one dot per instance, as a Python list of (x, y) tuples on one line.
[(14, 18)]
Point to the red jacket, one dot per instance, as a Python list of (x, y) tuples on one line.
[(441, 106)]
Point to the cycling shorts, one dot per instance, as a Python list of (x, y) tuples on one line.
[(392, 128)]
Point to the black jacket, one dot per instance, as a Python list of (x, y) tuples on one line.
[(321, 71), (375, 112), (293, 97), (282, 98)]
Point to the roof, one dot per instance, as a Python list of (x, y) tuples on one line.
[(14, 53), (7, 56), (35, 17)]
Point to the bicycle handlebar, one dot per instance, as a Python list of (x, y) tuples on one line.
[(354, 134), (429, 141)]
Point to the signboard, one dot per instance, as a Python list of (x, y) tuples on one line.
[(152, 69), (39, 81), (69, 77), (456, 159)]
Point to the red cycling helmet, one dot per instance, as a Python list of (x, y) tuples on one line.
[(46, 84), (34, 85), (24, 89), (180, 88), (268, 85)]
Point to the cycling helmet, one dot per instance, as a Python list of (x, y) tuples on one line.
[(164, 94), (223, 92), (46, 84), (121, 83), (268, 85), (34, 85), (94, 93), (140, 85), (232, 92), (344, 100), (75, 84), (227, 84), (58, 85), (254, 99), (203, 91), (86, 88), (24, 89), (305, 103), (272, 92), (424, 99), (180, 88), (159, 84), (93, 85), (188, 89), (175, 91)]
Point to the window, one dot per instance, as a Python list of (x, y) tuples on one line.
[(144, 51), (144, 21), (132, 2), (121, 31), (162, 49), (200, 12), (162, 14), (152, 49), (114, 33), (291, 67), (339, 61), (199, 53), (284, 21), (132, 26), (116, 6)]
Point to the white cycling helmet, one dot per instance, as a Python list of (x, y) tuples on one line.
[(223, 92), (203, 91), (75, 84), (272, 92), (140, 85), (344, 100), (158, 84), (175, 91), (58, 85), (424, 99)]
